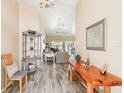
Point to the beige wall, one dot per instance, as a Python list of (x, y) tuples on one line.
[(59, 38), (91, 11), (10, 28), (29, 19)]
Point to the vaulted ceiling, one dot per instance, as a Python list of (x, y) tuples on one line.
[(62, 13)]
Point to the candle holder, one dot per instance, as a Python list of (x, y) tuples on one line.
[(103, 70), (87, 64)]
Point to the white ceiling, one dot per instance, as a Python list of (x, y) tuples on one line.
[(63, 9)]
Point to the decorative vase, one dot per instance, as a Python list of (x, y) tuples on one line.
[(77, 58), (31, 48)]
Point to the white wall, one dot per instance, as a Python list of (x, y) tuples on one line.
[(10, 29), (91, 11)]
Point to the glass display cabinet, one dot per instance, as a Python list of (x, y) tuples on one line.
[(31, 45)]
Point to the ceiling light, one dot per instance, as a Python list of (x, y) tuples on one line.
[(61, 28), (46, 3)]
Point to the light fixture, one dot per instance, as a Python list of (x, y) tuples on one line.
[(61, 28), (46, 3)]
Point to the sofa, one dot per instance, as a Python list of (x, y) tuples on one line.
[(62, 57)]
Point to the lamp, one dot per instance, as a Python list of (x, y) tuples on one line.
[(46, 3)]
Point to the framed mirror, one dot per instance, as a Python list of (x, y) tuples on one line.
[(95, 36)]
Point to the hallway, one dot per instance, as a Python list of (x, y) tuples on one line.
[(50, 79)]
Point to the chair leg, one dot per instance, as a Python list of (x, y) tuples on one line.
[(6, 82), (20, 82), (13, 84), (26, 79)]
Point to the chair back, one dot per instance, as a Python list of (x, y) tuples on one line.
[(7, 59)]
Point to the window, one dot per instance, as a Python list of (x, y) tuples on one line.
[(64, 46)]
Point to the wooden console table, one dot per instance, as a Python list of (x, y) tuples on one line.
[(93, 77)]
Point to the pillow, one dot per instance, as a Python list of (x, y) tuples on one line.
[(11, 69)]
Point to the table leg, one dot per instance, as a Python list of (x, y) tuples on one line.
[(6, 83), (26, 81), (70, 73), (107, 89), (54, 61), (20, 82), (90, 88), (45, 59)]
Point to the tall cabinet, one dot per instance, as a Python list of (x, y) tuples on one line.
[(31, 46)]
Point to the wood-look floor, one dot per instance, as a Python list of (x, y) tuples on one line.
[(50, 78)]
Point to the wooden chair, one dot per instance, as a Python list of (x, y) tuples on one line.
[(18, 76)]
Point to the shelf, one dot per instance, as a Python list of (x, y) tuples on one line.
[(33, 42), (33, 50), (36, 43)]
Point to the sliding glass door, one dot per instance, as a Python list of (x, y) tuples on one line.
[(64, 46)]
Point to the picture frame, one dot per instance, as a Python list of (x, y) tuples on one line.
[(95, 36)]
